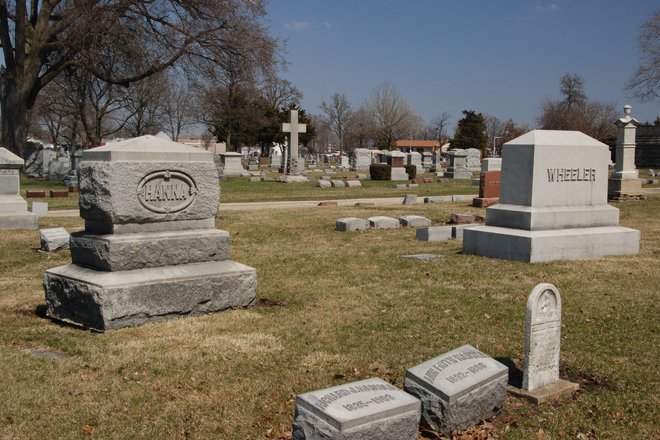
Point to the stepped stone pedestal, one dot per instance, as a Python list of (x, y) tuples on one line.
[(150, 249), (13, 208), (553, 203)]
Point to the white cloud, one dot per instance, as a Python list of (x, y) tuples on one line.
[(298, 25), (547, 6)]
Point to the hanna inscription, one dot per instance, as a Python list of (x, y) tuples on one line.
[(166, 191)]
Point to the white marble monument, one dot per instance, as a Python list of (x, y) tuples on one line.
[(13, 208), (231, 164), (553, 203), (624, 183), (291, 164)]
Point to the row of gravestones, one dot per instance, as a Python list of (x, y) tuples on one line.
[(453, 391), (381, 222)]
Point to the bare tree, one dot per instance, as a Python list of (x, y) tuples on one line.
[(645, 83), (494, 128), (363, 131), (119, 41), (280, 93), (576, 112), (338, 115), (438, 127), (144, 105), (178, 109), (392, 115)]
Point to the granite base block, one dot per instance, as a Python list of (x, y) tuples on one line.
[(115, 252), (18, 221), (549, 393), (541, 246), (308, 426), (479, 404), (110, 300), (433, 233)]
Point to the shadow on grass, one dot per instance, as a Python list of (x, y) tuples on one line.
[(515, 373)]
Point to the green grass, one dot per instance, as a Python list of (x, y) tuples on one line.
[(333, 308), (240, 189)]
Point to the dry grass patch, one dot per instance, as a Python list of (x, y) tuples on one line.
[(334, 307)]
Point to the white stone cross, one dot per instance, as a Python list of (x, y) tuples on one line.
[(293, 128)]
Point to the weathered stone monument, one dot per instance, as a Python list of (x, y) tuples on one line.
[(624, 183), (360, 159), (541, 380), (553, 203), (473, 160), (150, 249), (458, 165), (291, 165), (13, 208), (53, 239), (231, 164), (458, 389), (367, 409)]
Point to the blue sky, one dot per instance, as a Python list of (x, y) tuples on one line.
[(500, 57)]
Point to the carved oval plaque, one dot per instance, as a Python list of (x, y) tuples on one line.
[(166, 191)]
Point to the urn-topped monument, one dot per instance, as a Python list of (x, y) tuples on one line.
[(150, 249)]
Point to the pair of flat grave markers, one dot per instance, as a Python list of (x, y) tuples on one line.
[(453, 391)]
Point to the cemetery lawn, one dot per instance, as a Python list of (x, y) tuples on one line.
[(241, 190), (332, 308)]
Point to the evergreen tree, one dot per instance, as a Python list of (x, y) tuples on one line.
[(471, 132)]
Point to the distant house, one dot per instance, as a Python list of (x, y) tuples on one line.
[(419, 146)]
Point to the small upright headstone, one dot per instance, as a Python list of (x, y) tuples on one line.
[(396, 160), (54, 239), (361, 159), (542, 347), (473, 161), (414, 221), (410, 199), (351, 224), (383, 222), (13, 208), (367, 409), (458, 389), (40, 209)]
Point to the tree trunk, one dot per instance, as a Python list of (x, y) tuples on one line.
[(15, 120)]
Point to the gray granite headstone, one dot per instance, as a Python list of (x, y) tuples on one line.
[(40, 209), (337, 183), (54, 239), (433, 233), (323, 184), (384, 222), (367, 409), (458, 389), (414, 221), (351, 224), (150, 249), (410, 199)]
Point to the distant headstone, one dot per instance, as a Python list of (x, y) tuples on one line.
[(414, 221), (54, 239), (351, 224), (461, 218), (323, 184), (383, 222), (651, 172), (40, 209), (473, 159), (410, 199), (458, 165), (367, 409), (458, 389), (353, 184), (13, 208), (396, 160), (433, 233), (542, 347), (423, 257), (553, 203), (344, 162), (360, 159), (624, 182), (294, 165), (150, 249), (231, 164), (437, 199), (491, 164), (415, 158), (337, 183)]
